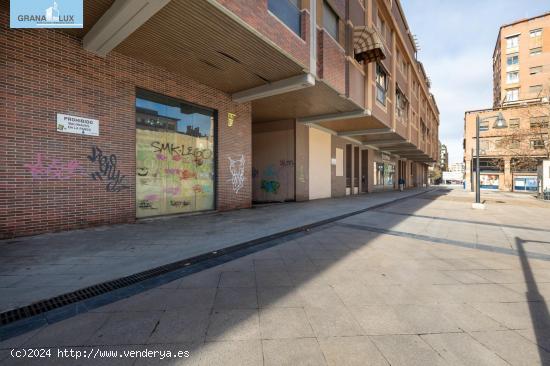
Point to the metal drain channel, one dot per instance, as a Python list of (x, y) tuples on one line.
[(43, 306)]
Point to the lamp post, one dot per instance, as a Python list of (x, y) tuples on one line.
[(499, 123)]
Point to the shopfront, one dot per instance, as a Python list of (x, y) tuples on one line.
[(175, 156), (384, 175), (489, 181), (525, 183)]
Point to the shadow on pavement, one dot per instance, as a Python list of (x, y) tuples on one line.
[(539, 315)]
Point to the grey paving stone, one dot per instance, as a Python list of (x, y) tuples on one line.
[(176, 326), (236, 298), (336, 321), (403, 319), (517, 315), (233, 325), (74, 331), (462, 349), (284, 323), (204, 279), (273, 278), (292, 352), (283, 297), (407, 350), (513, 348), (232, 353), (237, 279), (467, 318), (126, 328), (351, 351), (466, 277)]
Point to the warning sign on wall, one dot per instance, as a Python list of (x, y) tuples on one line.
[(79, 125)]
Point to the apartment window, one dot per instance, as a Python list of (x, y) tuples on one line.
[(512, 77), (538, 122), (535, 51), (512, 60), (537, 144), (535, 90), (512, 95), (513, 123), (401, 106), (512, 42), (484, 126), (330, 20), (288, 12), (535, 33), (423, 130), (514, 144), (535, 70), (381, 84)]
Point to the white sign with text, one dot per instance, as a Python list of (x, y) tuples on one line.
[(79, 125)]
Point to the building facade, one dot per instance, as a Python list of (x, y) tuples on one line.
[(511, 150), (443, 157), (156, 109)]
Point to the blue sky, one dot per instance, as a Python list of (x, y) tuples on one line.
[(456, 39)]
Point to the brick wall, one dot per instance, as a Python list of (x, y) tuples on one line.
[(255, 13), (331, 62), (48, 72)]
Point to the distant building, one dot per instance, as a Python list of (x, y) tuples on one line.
[(510, 152), (456, 167), (443, 157)]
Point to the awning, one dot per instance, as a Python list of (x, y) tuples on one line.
[(367, 44)]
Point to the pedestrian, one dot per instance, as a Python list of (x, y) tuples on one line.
[(401, 184)]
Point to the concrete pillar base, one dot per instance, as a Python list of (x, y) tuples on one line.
[(478, 206)]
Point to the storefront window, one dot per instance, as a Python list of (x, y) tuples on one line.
[(389, 174), (174, 156), (378, 174), (384, 174)]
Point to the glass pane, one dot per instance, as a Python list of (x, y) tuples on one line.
[(174, 156), (330, 21), (288, 11)]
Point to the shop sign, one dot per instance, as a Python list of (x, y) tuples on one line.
[(78, 125), (46, 14)]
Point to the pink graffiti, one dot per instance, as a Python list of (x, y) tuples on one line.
[(54, 168), (172, 171), (161, 157), (174, 191), (176, 157), (151, 197)]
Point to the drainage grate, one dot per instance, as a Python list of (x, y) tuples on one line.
[(57, 302)]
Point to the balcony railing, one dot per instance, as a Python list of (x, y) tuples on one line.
[(288, 12)]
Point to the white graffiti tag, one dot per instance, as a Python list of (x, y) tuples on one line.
[(236, 167)]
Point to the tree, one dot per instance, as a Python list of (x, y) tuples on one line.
[(529, 143)]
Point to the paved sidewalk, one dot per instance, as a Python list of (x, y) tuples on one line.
[(428, 281), (40, 267)]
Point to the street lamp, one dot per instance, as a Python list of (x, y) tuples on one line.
[(499, 123)]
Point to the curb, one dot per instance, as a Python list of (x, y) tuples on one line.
[(48, 311)]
